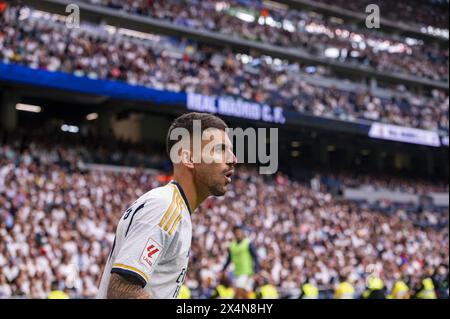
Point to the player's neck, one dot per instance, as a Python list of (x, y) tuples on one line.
[(193, 197)]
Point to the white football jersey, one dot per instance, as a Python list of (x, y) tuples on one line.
[(152, 242)]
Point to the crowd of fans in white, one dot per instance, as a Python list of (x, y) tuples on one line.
[(57, 225), (299, 30), (94, 52), (417, 12)]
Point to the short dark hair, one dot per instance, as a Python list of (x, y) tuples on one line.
[(186, 121), (237, 227)]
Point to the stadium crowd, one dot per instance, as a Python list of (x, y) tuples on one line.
[(424, 13), (351, 179), (57, 225), (302, 30), (94, 52)]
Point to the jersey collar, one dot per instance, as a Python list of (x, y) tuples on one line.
[(182, 195)]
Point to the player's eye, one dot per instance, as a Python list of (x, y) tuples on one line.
[(221, 148)]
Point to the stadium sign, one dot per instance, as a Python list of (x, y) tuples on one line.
[(235, 107), (404, 134)]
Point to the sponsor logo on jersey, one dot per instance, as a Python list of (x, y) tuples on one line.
[(150, 254), (151, 250)]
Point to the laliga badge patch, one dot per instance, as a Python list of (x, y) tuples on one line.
[(150, 254)]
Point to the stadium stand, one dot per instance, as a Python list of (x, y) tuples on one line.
[(424, 13), (183, 66), (61, 195), (300, 30), (49, 214)]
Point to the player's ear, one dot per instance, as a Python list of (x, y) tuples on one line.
[(186, 158)]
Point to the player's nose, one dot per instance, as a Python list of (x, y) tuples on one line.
[(232, 159)]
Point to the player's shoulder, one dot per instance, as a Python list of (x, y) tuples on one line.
[(161, 206), (157, 200), (162, 194)]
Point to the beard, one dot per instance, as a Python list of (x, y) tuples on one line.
[(214, 184), (217, 190)]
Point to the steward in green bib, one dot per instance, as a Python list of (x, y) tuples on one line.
[(309, 290), (427, 290), (224, 289), (268, 291), (185, 292)]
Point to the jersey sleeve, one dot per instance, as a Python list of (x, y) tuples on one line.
[(144, 242)]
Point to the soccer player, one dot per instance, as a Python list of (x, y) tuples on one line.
[(149, 256), (242, 254)]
